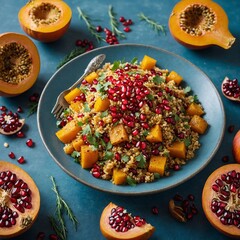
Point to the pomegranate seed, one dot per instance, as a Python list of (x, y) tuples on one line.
[(99, 29), (3, 108), (21, 160), (20, 134), (40, 236), (20, 110), (121, 19), (176, 167), (225, 158), (155, 210), (231, 128), (53, 237), (11, 155), (127, 29), (30, 143)]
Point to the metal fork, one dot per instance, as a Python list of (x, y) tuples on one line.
[(61, 104)]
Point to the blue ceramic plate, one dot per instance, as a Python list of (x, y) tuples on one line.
[(194, 77)]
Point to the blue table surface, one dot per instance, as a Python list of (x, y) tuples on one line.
[(88, 203)]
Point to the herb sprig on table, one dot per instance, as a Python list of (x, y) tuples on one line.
[(154, 24), (89, 24), (57, 221)]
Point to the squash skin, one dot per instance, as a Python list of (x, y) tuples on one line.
[(219, 36), (11, 90), (45, 33)]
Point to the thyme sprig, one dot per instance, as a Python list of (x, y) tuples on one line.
[(57, 222), (89, 24), (155, 25), (114, 23)]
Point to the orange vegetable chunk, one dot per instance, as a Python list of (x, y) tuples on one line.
[(88, 156), (72, 94), (175, 77), (68, 132), (101, 105), (148, 63), (177, 149), (76, 106), (198, 124), (89, 78), (118, 134), (119, 177), (77, 143), (155, 134), (195, 109), (157, 164)]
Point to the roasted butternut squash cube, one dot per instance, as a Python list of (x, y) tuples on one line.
[(157, 164), (178, 150), (155, 134), (77, 143), (72, 94), (101, 105), (148, 63), (119, 177), (89, 78), (68, 148), (195, 109), (118, 134), (76, 106), (198, 124), (89, 155), (175, 77), (68, 132)]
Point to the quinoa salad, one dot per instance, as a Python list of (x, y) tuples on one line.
[(132, 122)]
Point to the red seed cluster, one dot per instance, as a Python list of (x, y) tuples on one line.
[(227, 187), (88, 45), (231, 88), (187, 204)]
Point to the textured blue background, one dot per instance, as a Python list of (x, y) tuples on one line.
[(88, 203)]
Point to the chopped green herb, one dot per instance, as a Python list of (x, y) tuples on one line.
[(86, 107), (158, 80), (92, 140), (116, 65), (187, 89), (76, 156), (141, 161), (104, 114), (109, 146), (187, 141), (125, 158), (131, 181), (87, 130), (108, 155), (150, 97), (156, 175), (134, 60), (80, 124)]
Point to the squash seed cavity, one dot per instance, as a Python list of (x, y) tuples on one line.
[(45, 14), (197, 19), (15, 63)]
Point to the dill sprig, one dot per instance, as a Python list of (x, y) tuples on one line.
[(89, 24), (57, 222), (74, 53), (155, 25), (114, 23)]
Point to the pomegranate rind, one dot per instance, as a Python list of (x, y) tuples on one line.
[(137, 233), (236, 147), (207, 196), (13, 132), (17, 229)]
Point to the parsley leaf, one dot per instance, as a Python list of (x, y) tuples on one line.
[(125, 158), (187, 89), (131, 181), (116, 65), (158, 80), (134, 60), (108, 155), (87, 130), (104, 114), (141, 161), (86, 107)]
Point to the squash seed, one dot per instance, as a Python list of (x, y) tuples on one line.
[(15, 63), (197, 19), (45, 14)]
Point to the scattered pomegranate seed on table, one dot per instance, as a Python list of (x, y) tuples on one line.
[(29, 143), (21, 160), (11, 155)]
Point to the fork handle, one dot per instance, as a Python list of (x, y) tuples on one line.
[(94, 64)]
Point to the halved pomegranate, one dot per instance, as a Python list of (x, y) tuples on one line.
[(116, 223), (236, 147), (10, 123), (221, 199), (19, 200)]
